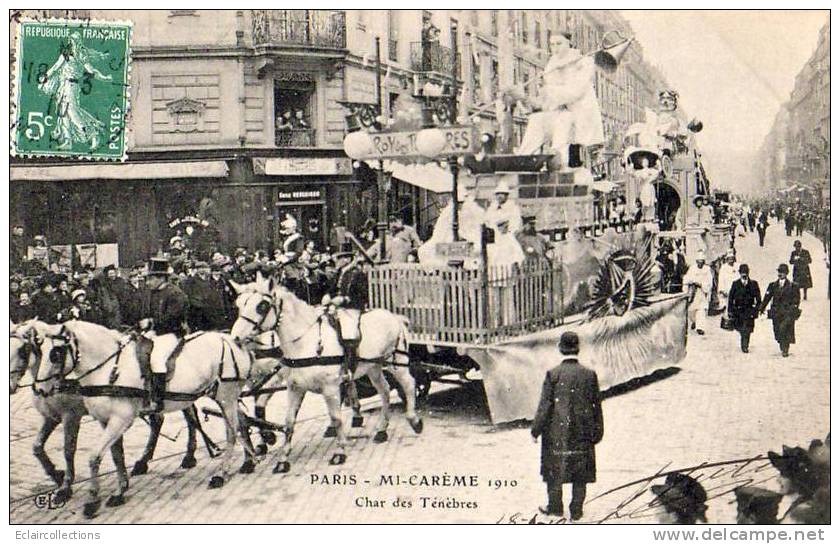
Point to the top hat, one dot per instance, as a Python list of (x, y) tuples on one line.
[(569, 343), (158, 266), (762, 505), (783, 269), (744, 268), (682, 495)]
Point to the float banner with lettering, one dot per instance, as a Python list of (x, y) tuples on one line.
[(400, 145), (618, 348)]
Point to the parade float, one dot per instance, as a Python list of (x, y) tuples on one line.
[(477, 298)]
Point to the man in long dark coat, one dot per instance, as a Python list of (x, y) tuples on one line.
[(206, 303), (761, 227), (785, 309), (744, 301), (801, 261), (570, 421), (163, 313)]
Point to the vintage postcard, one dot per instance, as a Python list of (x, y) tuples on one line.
[(444, 266)]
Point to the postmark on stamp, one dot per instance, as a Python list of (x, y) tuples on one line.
[(71, 89)]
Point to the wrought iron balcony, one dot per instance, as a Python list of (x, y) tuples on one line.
[(294, 137), (318, 28), (433, 57)]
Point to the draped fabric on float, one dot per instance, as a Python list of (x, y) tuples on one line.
[(618, 348)]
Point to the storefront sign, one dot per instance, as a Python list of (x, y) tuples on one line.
[(299, 195), (398, 145), (307, 167)]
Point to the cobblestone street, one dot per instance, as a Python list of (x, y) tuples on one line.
[(721, 405)]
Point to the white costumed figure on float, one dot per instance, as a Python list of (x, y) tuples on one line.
[(647, 192), (569, 108), (505, 218), (470, 217)]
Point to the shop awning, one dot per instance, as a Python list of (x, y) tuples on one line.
[(151, 170), (429, 176)]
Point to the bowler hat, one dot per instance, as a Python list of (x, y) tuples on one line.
[(201, 265), (783, 269), (762, 505), (744, 269), (683, 495), (569, 343), (529, 218)]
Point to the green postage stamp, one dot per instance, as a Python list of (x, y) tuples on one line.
[(71, 89)]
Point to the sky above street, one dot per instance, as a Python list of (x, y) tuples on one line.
[(733, 70)]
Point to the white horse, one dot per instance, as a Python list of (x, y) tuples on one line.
[(271, 378), (312, 355), (104, 363)]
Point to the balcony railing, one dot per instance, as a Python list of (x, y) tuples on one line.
[(294, 137), (433, 57), (300, 27)]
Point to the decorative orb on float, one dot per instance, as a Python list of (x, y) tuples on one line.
[(358, 145), (430, 142)]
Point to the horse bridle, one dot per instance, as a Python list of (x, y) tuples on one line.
[(70, 345), (268, 302), (30, 346)]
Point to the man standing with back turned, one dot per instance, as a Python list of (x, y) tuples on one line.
[(570, 421)]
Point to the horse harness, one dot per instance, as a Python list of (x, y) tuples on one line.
[(111, 389)]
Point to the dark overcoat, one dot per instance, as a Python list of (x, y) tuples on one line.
[(785, 310), (744, 301), (167, 305), (352, 283), (801, 261), (570, 421)]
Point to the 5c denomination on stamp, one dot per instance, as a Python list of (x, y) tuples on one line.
[(71, 89)]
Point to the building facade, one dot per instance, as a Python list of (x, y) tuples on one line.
[(797, 150), (237, 118)]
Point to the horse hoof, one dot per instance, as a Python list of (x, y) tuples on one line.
[(380, 437), (338, 459), (140, 468), (188, 462), (331, 432), (58, 477), (269, 437), (417, 425), (115, 500), (216, 482), (62, 495), (247, 467), (358, 421), (261, 449), (91, 508), (282, 467)]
